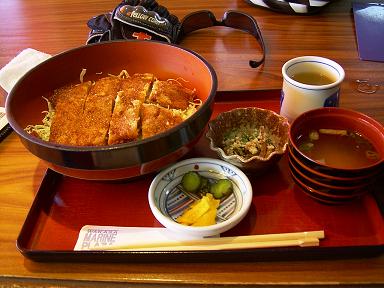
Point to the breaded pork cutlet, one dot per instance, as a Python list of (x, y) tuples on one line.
[(171, 94), (124, 125), (115, 109), (68, 103), (137, 86), (98, 111), (156, 119)]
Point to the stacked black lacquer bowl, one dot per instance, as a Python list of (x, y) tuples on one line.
[(341, 174)]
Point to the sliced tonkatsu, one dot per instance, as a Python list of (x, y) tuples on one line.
[(125, 121), (98, 111), (115, 109), (157, 119), (68, 103), (171, 94)]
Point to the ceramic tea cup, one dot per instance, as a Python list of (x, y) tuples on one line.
[(309, 82)]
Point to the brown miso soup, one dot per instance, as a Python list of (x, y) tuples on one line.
[(314, 78), (338, 148)]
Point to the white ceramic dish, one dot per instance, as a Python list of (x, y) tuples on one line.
[(167, 201)]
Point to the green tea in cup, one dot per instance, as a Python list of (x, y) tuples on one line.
[(309, 82)]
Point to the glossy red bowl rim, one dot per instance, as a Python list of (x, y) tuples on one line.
[(346, 114), (345, 189), (318, 197), (314, 192), (331, 177)]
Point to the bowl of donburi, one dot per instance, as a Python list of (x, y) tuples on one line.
[(113, 110), (200, 196)]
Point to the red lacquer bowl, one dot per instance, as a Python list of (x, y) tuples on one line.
[(328, 183), (25, 104)]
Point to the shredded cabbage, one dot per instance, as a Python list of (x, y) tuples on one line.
[(43, 130), (82, 74)]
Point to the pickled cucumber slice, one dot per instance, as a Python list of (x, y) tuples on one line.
[(191, 181), (221, 188)]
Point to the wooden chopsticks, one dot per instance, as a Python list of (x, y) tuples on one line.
[(301, 239)]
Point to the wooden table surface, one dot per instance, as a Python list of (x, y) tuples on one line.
[(53, 26)]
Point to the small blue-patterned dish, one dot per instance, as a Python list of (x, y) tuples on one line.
[(168, 201)]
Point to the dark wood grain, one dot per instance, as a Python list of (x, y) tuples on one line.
[(53, 26)]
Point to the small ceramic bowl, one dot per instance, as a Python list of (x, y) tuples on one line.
[(167, 201), (277, 125)]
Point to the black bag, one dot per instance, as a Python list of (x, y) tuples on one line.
[(135, 19)]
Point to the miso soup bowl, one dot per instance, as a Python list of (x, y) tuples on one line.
[(25, 105), (335, 182)]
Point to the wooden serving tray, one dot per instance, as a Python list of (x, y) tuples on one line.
[(63, 205)]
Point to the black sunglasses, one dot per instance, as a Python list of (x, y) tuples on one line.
[(233, 19)]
